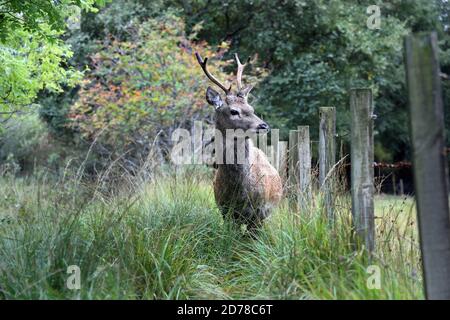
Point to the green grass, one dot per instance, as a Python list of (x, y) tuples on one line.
[(166, 240)]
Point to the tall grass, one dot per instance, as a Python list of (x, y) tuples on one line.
[(165, 239)]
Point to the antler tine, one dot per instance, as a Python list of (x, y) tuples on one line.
[(202, 64), (240, 70)]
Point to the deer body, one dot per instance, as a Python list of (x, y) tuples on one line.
[(247, 190)]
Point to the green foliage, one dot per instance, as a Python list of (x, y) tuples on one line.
[(318, 50), (28, 146), (315, 51), (32, 55), (116, 18), (30, 15), (23, 143), (111, 22), (142, 87), (54, 110), (29, 64)]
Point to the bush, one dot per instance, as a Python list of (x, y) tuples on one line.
[(142, 88), (26, 144), (23, 142)]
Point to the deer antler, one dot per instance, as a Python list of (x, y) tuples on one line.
[(202, 64), (241, 90), (240, 70)]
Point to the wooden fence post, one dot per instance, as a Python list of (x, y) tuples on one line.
[(270, 155), (304, 166), (361, 109), (274, 142), (402, 188), (282, 160), (394, 183), (429, 161), (327, 156), (293, 160), (262, 143)]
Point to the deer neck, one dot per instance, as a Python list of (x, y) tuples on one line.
[(236, 153)]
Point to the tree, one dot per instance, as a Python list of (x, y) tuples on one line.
[(112, 21), (315, 51), (142, 88), (318, 50), (32, 55), (39, 16)]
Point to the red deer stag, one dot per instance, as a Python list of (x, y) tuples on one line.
[(246, 191)]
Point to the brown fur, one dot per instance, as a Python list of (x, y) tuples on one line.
[(248, 192)]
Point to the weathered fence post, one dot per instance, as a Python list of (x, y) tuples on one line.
[(394, 183), (262, 143), (361, 109), (293, 161), (304, 166), (429, 161), (274, 142), (282, 160), (327, 156), (255, 139), (270, 155)]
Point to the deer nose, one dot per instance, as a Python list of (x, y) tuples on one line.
[(263, 126)]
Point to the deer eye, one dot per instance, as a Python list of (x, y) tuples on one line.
[(234, 112)]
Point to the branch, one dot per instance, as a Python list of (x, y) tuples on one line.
[(9, 115), (7, 93), (5, 2)]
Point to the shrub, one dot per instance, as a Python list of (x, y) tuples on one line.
[(22, 142), (142, 88), (26, 144)]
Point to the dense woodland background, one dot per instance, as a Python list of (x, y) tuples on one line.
[(122, 73)]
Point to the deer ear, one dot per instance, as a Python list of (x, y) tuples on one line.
[(213, 98)]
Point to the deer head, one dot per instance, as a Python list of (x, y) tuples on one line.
[(232, 112)]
